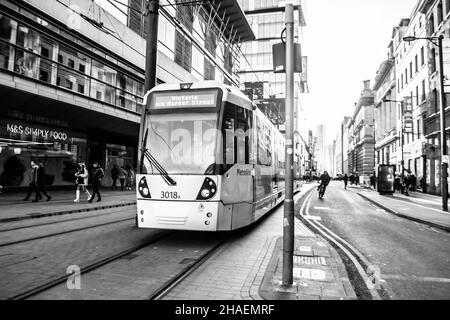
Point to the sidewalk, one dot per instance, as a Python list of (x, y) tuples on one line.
[(247, 267), (13, 208), (422, 209)]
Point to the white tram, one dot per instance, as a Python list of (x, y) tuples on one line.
[(211, 160)]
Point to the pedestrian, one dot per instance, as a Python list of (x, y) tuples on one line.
[(114, 176), (40, 181), (407, 183), (129, 178), (122, 176), (357, 179), (345, 178), (96, 182), (372, 181), (413, 182), (397, 184), (32, 186), (82, 181)]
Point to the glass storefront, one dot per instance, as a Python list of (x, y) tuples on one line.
[(58, 149), (32, 54)]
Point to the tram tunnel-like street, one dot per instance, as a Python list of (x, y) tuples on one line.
[(413, 258)]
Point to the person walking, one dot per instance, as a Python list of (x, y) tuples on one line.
[(114, 176), (357, 178), (40, 182), (32, 186), (96, 182), (129, 178), (373, 181), (82, 181), (413, 182), (407, 183), (345, 181), (352, 179), (122, 176)]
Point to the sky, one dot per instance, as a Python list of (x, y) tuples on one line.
[(345, 41)]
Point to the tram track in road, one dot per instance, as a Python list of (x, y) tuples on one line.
[(171, 284), (48, 223), (361, 272), (5, 244), (91, 266)]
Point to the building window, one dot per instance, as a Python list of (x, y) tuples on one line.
[(422, 56), (433, 60), (440, 16), (431, 24), (417, 95), (410, 70), (183, 51), (406, 76), (423, 91), (402, 80), (416, 63)]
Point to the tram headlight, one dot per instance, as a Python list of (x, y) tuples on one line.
[(207, 190), (205, 193), (143, 188)]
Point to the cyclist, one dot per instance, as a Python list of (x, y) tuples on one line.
[(324, 181)]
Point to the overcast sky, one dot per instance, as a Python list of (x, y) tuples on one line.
[(345, 41)]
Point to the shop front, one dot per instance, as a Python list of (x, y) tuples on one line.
[(59, 147)]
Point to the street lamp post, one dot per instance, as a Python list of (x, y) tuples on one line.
[(442, 103)]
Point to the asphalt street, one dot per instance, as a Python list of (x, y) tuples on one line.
[(414, 259)]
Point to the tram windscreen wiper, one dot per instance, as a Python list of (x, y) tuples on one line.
[(155, 163)]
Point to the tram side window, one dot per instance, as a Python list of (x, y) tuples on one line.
[(243, 120), (264, 144), (228, 129)]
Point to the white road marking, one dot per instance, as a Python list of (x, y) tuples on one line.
[(305, 249), (312, 274), (322, 208), (415, 278), (316, 218)]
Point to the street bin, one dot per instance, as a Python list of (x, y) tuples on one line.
[(386, 175)]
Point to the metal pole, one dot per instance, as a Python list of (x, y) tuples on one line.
[(288, 223), (442, 104), (152, 13)]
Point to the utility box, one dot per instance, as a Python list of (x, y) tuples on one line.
[(279, 57), (386, 175)]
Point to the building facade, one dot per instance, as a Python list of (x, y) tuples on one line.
[(385, 99), (437, 22), (412, 90), (72, 75), (345, 144), (361, 128)]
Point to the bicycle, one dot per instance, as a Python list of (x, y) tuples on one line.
[(321, 191)]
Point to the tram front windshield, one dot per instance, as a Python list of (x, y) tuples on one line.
[(183, 143)]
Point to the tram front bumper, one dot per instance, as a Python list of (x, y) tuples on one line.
[(178, 215)]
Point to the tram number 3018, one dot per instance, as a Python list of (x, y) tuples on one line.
[(170, 195)]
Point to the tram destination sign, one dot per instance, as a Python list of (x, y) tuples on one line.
[(184, 99)]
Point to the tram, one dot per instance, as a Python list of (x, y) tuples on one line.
[(209, 159)]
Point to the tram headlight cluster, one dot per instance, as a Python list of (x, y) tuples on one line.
[(143, 189), (208, 190)]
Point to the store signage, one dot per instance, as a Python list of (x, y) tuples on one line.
[(43, 133), (172, 100)]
